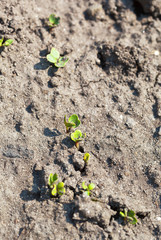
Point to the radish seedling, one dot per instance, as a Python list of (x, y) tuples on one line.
[(5, 43), (88, 188), (86, 158), (77, 136), (129, 216), (73, 122), (54, 57), (56, 189), (54, 21)]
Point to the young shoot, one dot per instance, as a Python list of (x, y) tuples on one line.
[(77, 136), (5, 43), (129, 216), (86, 158), (54, 57), (73, 122), (56, 189), (54, 21), (87, 189)]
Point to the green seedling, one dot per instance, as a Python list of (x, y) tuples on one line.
[(54, 21), (5, 43), (56, 189), (54, 57), (129, 216), (77, 136), (86, 158), (73, 122), (87, 189)]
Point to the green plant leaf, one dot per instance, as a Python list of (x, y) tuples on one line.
[(131, 213), (54, 190), (60, 185), (53, 56), (87, 193), (1, 42), (91, 186), (61, 62), (53, 20), (134, 221), (77, 136), (61, 191), (7, 42), (55, 177), (60, 188), (52, 179), (67, 124), (84, 186), (51, 59), (86, 157), (122, 214), (74, 119), (55, 53)]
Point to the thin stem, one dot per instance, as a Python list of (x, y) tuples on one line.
[(77, 145)]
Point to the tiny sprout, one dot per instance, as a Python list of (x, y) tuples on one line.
[(56, 189), (77, 136), (54, 57), (54, 21), (88, 188), (129, 216), (73, 122), (5, 43), (86, 157)]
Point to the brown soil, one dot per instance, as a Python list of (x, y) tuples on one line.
[(113, 82)]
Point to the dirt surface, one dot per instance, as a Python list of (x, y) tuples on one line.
[(113, 82)]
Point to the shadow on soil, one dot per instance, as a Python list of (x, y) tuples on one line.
[(44, 64), (53, 133), (39, 190), (68, 142)]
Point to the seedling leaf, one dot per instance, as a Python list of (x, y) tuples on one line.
[(122, 214), (86, 157), (91, 186), (52, 179), (87, 193), (77, 136), (8, 42), (84, 186), (53, 20), (51, 59), (54, 190), (54, 57), (60, 185), (61, 191), (1, 42), (55, 53), (74, 119), (61, 62), (131, 213), (129, 216), (68, 124), (134, 221)]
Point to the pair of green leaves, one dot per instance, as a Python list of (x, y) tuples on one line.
[(54, 57), (87, 189), (129, 216), (73, 122), (78, 136), (5, 43), (56, 189), (54, 21)]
